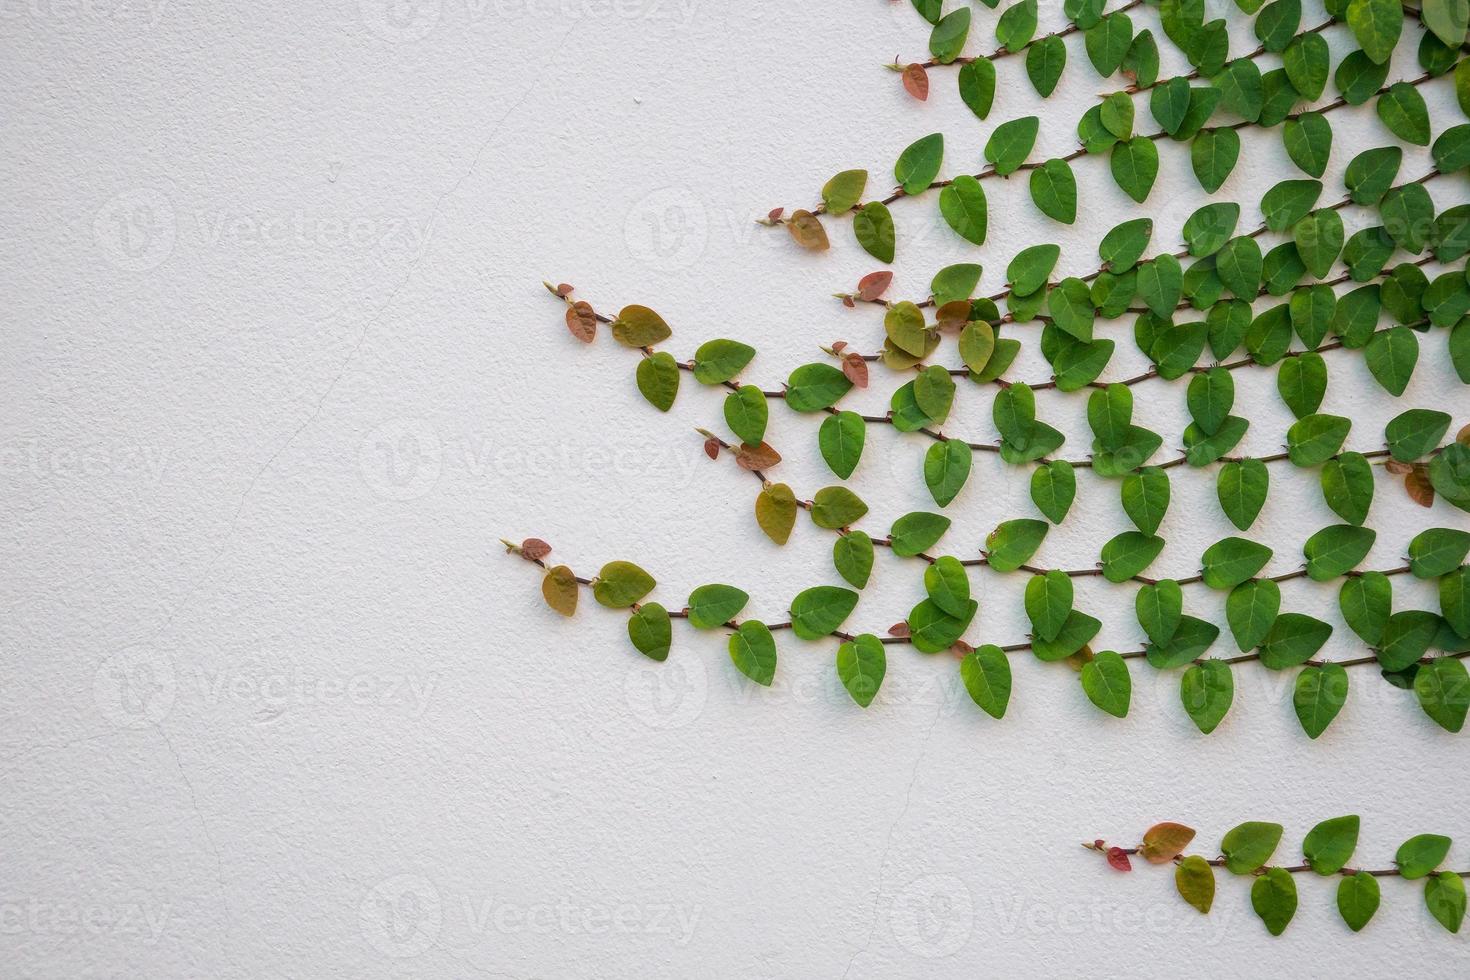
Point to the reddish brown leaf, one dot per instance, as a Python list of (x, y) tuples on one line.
[(775, 214), (916, 81), (838, 346), (1163, 842), (899, 629), (874, 284), (847, 302), (1419, 488), (534, 549), (761, 457), (712, 448), (1397, 468), (807, 231), (953, 316), (582, 321), (856, 370), (1118, 858), (961, 648), (1463, 436), (564, 290)]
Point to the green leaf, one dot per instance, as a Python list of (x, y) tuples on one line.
[(977, 345), (1403, 111), (1293, 640), (861, 665), (1451, 150), (932, 630), (977, 85), (1357, 899), (1438, 551), (1376, 24), (852, 556), (1288, 202), (1248, 847), (1207, 230), (1116, 114), (1211, 396), (1359, 78), (1365, 602), (1160, 284), (1070, 305), (1053, 488), (843, 192), (1049, 603), (947, 39), (1335, 550), (1329, 846), (1241, 487), (904, 325), (1013, 543), (986, 673), (1443, 688), (1135, 165), (964, 209), (1308, 141), (1312, 309), (638, 326), (817, 611), (1189, 642), (620, 584), (1418, 856), (1207, 690), (1454, 600), (929, 9), (651, 631), (1302, 381), (1031, 267), (1212, 154), (1239, 267), (1449, 474), (918, 164), (1227, 323), (1366, 253), (1136, 449), (1230, 561), (1347, 486), (1168, 103), (1273, 897), (815, 387), (1110, 414), (1251, 610), (836, 507), (1045, 60), (753, 651), (775, 512), (1017, 25), (1444, 894), (946, 468), (1127, 554), (1011, 142), (1306, 61), (1107, 684), (1278, 97), (914, 533), (1160, 607), (948, 586), (1277, 23), (1146, 498), (1108, 42), (1195, 879), (1371, 173), (1054, 190), (1448, 19), (934, 392), (712, 606), (1241, 90), (873, 226), (1142, 61), (1315, 439), (746, 413), (840, 439), (1408, 217), (1080, 628), (1391, 356), (1319, 695), (658, 380), (717, 361)]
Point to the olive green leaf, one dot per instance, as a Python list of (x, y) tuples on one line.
[(1230, 561), (986, 673), (861, 665), (1248, 847), (1447, 19), (1347, 486), (1319, 695), (843, 192), (620, 584), (914, 533), (1146, 497), (746, 413), (836, 507), (775, 512), (1403, 111), (651, 631), (1054, 190), (1106, 682), (1444, 894), (1438, 551), (904, 325), (753, 651), (1443, 688), (1357, 899), (1013, 543), (919, 163), (947, 39), (638, 326), (873, 227), (1207, 230), (1049, 603), (1206, 691), (1135, 166), (1241, 487), (1011, 142), (1391, 357), (1371, 173), (1308, 141), (963, 206), (1365, 602), (1334, 550), (932, 630), (1195, 881), (818, 611), (946, 468), (1273, 895), (1313, 440), (1366, 253), (977, 345), (1420, 855), (852, 556), (977, 85), (559, 589), (712, 606), (1189, 642), (717, 361), (1053, 488), (1045, 60), (1293, 640), (1329, 846), (815, 387), (1251, 610), (1376, 24), (1288, 202)]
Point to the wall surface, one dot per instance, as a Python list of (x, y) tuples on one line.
[(278, 372)]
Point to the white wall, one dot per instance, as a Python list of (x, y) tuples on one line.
[(278, 371)]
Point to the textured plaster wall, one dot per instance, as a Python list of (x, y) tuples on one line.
[(278, 371)]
